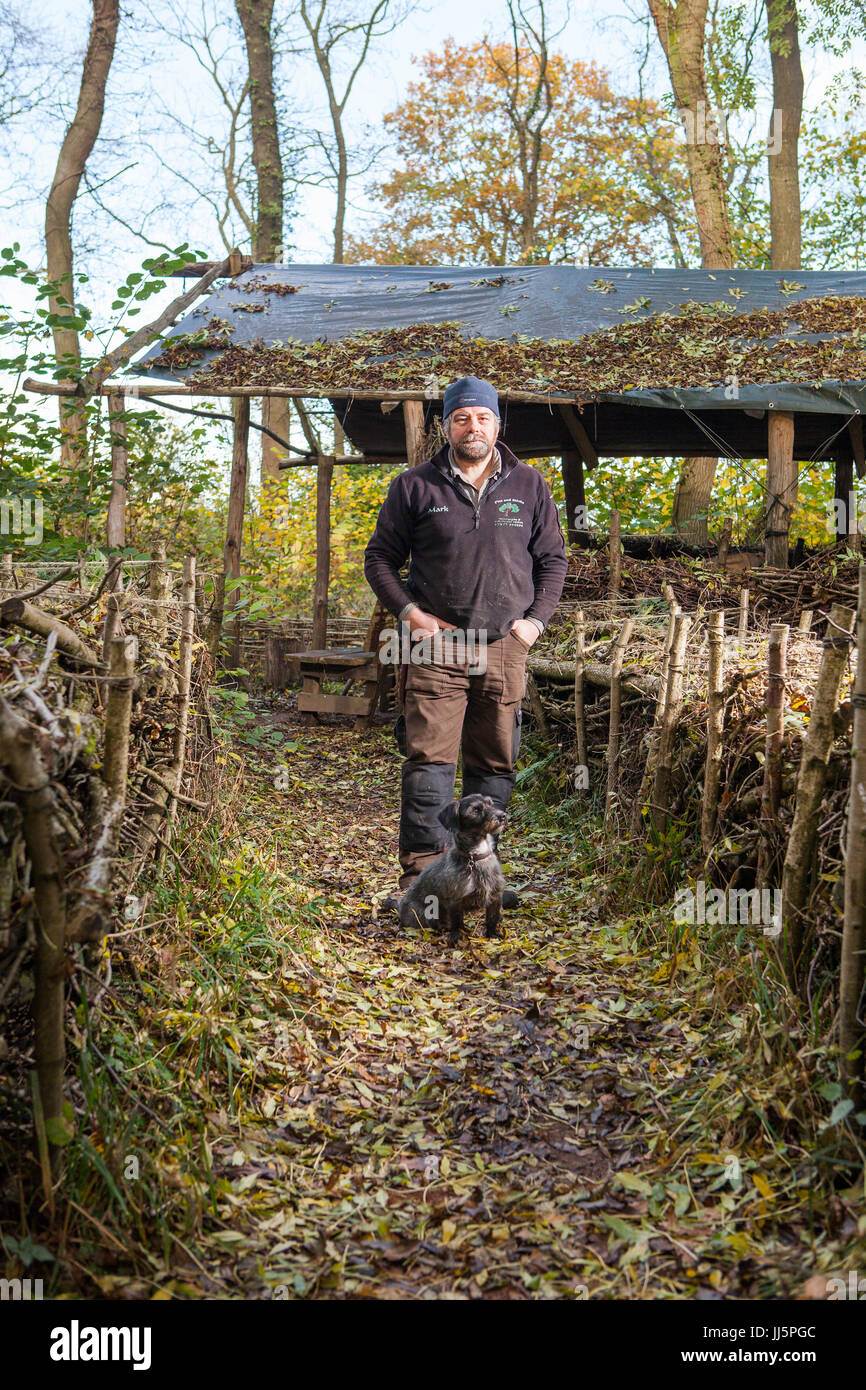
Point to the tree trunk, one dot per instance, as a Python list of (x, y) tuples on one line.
[(843, 494), (692, 498), (256, 17), (783, 145), (681, 26), (575, 496), (237, 501), (323, 553), (276, 416), (75, 151)]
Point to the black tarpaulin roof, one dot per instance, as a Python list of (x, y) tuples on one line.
[(335, 302)]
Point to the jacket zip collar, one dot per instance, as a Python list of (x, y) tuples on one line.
[(440, 461)]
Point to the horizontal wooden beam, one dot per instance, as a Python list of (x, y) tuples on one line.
[(298, 393), (333, 704), (576, 429), (343, 460)]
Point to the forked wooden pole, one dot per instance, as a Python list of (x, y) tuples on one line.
[(811, 779), (579, 663), (715, 722), (771, 795), (673, 703), (615, 712)]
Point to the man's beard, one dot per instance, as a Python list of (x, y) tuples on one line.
[(472, 449)]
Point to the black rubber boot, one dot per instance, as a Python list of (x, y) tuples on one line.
[(425, 789)]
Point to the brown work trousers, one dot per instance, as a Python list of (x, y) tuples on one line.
[(450, 712)]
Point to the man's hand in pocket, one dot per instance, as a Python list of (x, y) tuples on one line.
[(419, 621), (526, 631)]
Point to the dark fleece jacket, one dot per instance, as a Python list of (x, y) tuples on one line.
[(478, 569)]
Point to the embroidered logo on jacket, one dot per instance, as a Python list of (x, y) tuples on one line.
[(507, 508), (435, 509)]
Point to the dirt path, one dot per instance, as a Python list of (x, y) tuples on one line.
[(546, 1116)]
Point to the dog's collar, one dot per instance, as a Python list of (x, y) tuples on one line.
[(472, 857)]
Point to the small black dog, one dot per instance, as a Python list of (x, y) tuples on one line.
[(466, 877)]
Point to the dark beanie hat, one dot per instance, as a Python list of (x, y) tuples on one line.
[(470, 391)]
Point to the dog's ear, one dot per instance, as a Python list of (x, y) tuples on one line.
[(449, 816)]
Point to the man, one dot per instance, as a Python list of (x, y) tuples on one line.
[(487, 557)]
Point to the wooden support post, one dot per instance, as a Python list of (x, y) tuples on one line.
[(817, 742), (855, 434), (276, 416), (852, 976), (845, 498), (237, 501), (805, 623), (110, 624), (413, 423), (116, 519), (781, 487), (771, 794), (575, 498), (159, 588), (743, 625), (715, 722), (324, 474), (579, 663), (622, 642), (615, 549)]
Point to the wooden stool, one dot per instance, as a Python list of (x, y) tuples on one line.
[(349, 663)]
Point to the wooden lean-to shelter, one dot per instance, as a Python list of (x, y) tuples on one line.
[(588, 363)]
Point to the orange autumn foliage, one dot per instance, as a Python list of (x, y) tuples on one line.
[(504, 162)]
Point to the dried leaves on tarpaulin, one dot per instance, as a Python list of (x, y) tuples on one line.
[(701, 346)]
